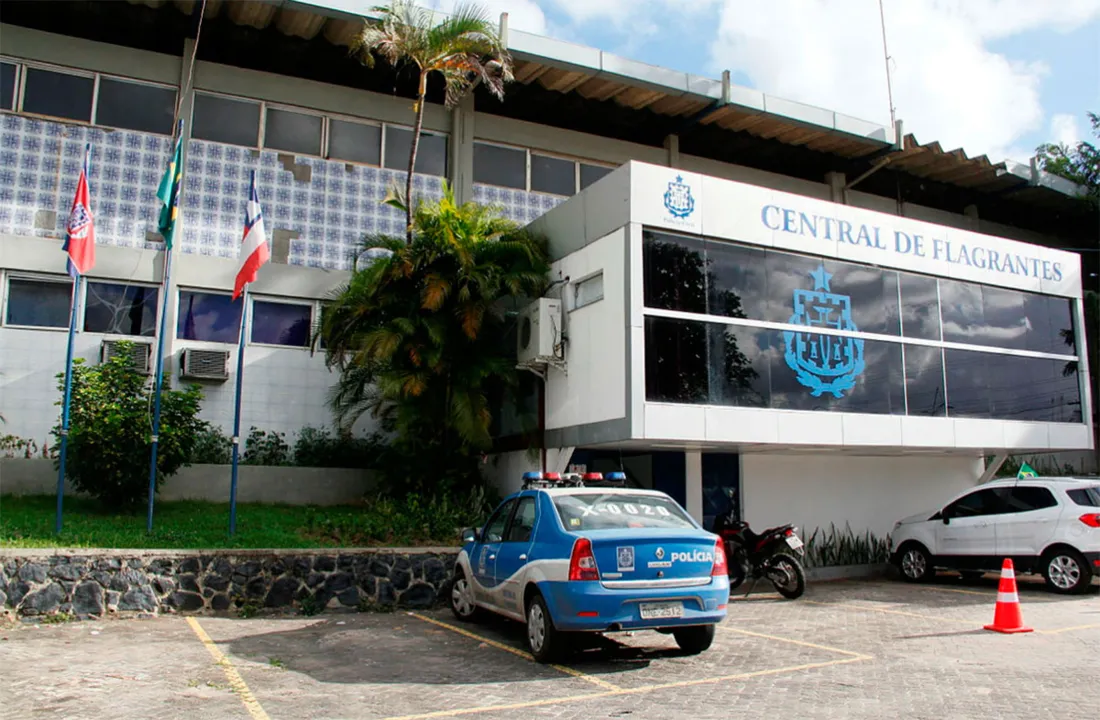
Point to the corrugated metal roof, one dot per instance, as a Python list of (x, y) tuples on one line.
[(565, 67)]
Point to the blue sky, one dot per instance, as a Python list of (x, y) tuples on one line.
[(990, 76)]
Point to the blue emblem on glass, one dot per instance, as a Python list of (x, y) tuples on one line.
[(678, 198), (823, 363)]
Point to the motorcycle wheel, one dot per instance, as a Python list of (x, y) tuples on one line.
[(736, 575), (792, 582)]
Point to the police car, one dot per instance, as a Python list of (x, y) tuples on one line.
[(586, 554)]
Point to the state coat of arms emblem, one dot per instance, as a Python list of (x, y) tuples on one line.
[(823, 363)]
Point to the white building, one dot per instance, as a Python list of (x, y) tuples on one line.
[(749, 192)]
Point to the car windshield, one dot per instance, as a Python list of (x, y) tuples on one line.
[(1086, 496), (611, 511)]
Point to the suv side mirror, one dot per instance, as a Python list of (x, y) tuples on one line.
[(470, 535)]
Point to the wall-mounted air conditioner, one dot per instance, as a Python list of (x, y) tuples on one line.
[(539, 335), (141, 352), (198, 364)]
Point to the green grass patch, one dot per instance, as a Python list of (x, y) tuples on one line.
[(28, 522)]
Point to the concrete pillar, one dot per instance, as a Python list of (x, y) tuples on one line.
[(672, 145), (693, 483), (462, 149), (836, 182)]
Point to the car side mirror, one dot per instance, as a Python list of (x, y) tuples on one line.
[(946, 519), (470, 535)]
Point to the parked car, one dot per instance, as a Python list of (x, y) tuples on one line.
[(586, 555), (1046, 525)]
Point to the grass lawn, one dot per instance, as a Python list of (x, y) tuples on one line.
[(28, 522)]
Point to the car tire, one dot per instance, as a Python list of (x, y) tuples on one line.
[(543, 640), (915, 563), (1066, 571), (462, 599), (695, 639)]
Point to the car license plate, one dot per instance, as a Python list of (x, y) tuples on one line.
[(794, 541), (655, 611)]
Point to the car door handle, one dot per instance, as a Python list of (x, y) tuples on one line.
[(523, 556)]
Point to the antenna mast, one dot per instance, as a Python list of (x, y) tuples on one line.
[(886, 57)]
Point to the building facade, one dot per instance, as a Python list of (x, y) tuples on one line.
[(717, 222)]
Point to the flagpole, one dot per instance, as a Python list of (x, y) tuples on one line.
[(159, 376), (74, 310), (237, 414)]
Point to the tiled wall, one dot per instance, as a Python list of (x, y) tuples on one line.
[(523, 207)]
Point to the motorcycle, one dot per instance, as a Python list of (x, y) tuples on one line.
[(770, 554)]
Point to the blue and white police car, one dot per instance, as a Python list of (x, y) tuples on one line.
[(586, 554)]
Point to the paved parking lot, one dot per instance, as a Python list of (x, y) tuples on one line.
[(845, 650)]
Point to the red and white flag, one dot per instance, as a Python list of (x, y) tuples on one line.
[(80, 229), (254, 250)]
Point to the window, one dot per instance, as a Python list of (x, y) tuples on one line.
[(431, 154), (226, 120), (355, 142), (588, 291), (592, 173), (1028, 498), (603, 511), (924, 381), (675, 273), (39, 303), (276, 323), (739, 366), (118, 309), (523, 522), (208, 317), (676, 367), (1011, 387), (552, 175), (920, 307), (736, 284), (998, 317), (56, 94), (292, 132), (1086, 497), (7, 85), (494, 529), (982, 502), (135, 106), (501, 166)]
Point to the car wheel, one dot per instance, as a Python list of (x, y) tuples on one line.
[(543, 639), (694, 640), (1066, 571), (462, 598), (915, 563)]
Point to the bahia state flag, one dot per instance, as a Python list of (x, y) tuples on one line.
[(1026, 471), (254, 250), (169, 194), (80, 229)]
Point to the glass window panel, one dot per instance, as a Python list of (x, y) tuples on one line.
[(553, 175), (120, 309), (920, 308), (209, 317), (872, 295), (58, 94), (982, 502), (431, 152), (967, 391), (924, 381), (224, 120), (1065, 391), (280, 323), (502, 166), (38, 303), (676, 361), (1006, 323), (963, 314), (740, 369), (674, 272), (356, 142), (292, 132), (786, 274), (1037, 389), (1027, 498), (736, 284), (133, 106), (588, 291), (806, 361), (7, 86), (1050, 324), (592, 173)]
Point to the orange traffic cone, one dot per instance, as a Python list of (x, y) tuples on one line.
[(1007, 617)]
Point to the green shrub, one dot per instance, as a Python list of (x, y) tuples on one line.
[(843, 547), (13, 446), (111, 427), (319, 447), (266, 447), (212, 446)]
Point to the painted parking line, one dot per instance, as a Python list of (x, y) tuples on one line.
[(235, 680), (517, 652), (803, 643), (903, 613), (1094, 626)]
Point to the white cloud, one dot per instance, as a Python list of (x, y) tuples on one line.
[(523, 15), (1064, 130), (948, 85)]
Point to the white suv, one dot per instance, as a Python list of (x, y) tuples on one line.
[(1046, 525)]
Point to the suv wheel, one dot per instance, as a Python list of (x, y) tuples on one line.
[(915, 563), (1066, 571)]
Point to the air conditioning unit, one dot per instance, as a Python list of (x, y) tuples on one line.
[(141, 352), (539, 336), (197, 364)]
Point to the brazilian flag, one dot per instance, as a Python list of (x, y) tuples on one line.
[(169, 194), (1026, 471)]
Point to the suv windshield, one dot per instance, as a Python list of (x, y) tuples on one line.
[(609, 511), (1087, 496)]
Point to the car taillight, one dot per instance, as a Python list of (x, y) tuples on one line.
[(1091, 519), (719, 567), (582, 563)]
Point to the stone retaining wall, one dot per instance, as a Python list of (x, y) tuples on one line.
[(100, 582)]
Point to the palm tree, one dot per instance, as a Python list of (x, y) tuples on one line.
[(420, 336), (465, 49)]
